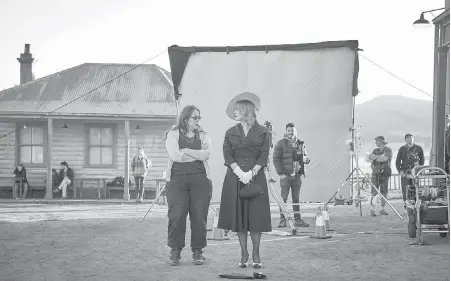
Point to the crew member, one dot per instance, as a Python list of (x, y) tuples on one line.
[(289, 157), (409, 156), (188, 187), (380, 163)]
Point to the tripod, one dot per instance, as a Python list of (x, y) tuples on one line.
[(355, 147)]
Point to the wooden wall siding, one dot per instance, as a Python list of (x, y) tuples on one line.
[(69, 146), (7, 151)]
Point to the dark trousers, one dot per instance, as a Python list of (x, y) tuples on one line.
[(293, 183), (381, 183), (139, 186), (405, 182), (188, 194)]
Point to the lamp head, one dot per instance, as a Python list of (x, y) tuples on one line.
[(421, 22)]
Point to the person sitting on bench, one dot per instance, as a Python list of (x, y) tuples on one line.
[(20, 174), (66, 176)]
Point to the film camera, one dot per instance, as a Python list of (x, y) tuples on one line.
[(268, 126)]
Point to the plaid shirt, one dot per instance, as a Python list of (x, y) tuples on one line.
[(140, 165)]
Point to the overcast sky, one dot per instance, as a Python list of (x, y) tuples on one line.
[(65, 33)]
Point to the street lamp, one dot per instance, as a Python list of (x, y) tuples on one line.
[(422, 22)]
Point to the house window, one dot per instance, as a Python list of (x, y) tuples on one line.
[(31, 145), (100, 145)]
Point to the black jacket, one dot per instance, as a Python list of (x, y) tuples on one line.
[(407, 156), (22, 174), (284, 154), (70, 175)]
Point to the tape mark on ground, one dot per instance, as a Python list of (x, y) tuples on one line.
[(274, 240)]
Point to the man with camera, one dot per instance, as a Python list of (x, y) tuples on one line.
[(289, 158), (409, 156)]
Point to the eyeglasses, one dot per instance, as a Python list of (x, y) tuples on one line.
[(196, 117)]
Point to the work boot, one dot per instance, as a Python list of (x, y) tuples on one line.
[(282, 223), (383, 212), (175, 257), (300, 223), (198, 258)]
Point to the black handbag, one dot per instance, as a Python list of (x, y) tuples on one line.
[(251, 190)]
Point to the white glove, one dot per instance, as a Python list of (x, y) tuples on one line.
[(238, 172), (247, 177)]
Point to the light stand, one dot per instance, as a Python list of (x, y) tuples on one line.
[(355, 148)]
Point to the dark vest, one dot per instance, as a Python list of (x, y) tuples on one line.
[(291, 154)]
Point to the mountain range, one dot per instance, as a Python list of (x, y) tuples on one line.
[(392, 117)]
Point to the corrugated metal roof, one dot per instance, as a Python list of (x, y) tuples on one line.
[(145, 90)]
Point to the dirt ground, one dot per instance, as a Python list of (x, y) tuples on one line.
[(361, 248)]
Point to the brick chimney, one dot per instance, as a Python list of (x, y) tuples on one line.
[(26, 63)]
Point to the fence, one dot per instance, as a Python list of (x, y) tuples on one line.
[(394, 182)]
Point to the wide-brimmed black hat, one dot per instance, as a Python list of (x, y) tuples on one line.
[(381, 138), (253, 98)]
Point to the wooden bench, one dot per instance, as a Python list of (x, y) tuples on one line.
[(7, 184), (159, 185), (101, 185), (33, 185), (112, 187)]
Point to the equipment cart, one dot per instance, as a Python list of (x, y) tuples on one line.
[(428, 202)]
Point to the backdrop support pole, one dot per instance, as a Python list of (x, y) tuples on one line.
[(177, 104), (351, 186), (357, 168)]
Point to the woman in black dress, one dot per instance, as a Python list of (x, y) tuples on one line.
[(246, 151)]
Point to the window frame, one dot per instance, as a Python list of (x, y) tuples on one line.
[(87, 145), (45, 143)]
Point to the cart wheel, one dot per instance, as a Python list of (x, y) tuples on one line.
[(412, 229), (443, 234)]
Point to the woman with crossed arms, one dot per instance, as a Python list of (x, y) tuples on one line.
[(188, 187)]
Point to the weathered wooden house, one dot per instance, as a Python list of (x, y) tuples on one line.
[(93, 116)]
